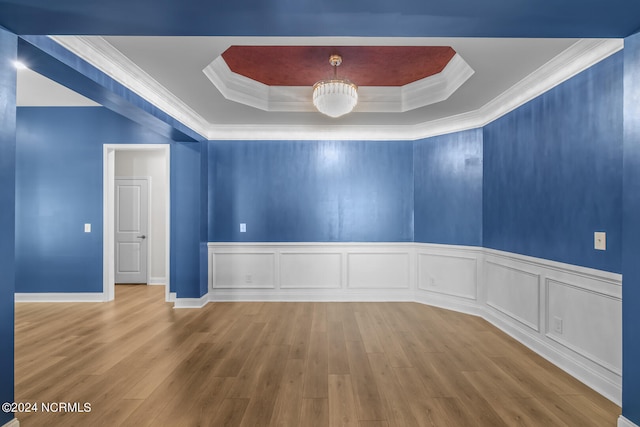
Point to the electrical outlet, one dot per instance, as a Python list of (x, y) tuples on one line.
[(248, 278), (557, 325), (432, 282), (87, 228), (243, 227)]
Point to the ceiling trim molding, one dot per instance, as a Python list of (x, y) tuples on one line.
[(438, 87), (581, 55), (578, 57), (106, 58), (379, 99)]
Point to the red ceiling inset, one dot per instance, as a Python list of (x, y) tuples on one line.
[(363, 65)]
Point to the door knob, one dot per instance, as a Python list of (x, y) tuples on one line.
[(142, 237)]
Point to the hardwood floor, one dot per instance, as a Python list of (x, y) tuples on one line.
[(139, 362)]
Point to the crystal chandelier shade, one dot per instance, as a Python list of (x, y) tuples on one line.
[(335, 97)]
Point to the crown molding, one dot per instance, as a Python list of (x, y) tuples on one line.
[(102, 55), (426, 91), (581, 55), (578, 57), (438, 87)]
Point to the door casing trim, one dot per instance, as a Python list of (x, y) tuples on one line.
[(108, 254)]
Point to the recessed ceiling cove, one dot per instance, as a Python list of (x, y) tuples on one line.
[(389, 78)]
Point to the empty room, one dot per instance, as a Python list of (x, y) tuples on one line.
[(319, 213)]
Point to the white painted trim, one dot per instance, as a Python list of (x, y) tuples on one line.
[(13, 423), (369, 245), (153, 281), (108, 283), (102, 55), (624, 422), (613, 278), (60, 297), (191, 302), (577, 58), (570, 346), (171, 297), (572, 365), (390, 99), (589, 364)]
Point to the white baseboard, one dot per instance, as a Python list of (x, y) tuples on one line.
[(191, 302), (523, 296), (13, 423), (60, 297), (623, 422), (573, 365), (157, 281), (171, 297), (449, 303)]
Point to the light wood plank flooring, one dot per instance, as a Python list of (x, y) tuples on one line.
[(139, 362)]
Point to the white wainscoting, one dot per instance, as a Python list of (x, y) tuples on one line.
[(568, 314), (514, 291), (311, 271)]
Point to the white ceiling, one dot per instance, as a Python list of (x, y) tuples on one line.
[(35, 90), (168, 72)]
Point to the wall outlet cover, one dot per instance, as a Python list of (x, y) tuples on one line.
[(600, 240)]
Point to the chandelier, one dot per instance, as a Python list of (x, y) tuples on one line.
[(335, 97)]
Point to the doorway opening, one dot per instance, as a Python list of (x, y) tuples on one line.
[(151, 163)]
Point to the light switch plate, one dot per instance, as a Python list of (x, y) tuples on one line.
[(87, 228), (243, 228), (600, 240)]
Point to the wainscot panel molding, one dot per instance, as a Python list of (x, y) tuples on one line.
[(623, 422), (311, 271), (514, 291), (579, 315), (61, 297), (568, 314)]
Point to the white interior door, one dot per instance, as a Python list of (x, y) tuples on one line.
[(131, 230)]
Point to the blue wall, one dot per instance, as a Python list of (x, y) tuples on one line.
[(59, 189), (631, 238), (448, 189), (311, 191), (186, 232), (8, 49), (553, 172)]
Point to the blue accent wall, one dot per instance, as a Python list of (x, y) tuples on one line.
[(59, 177), (448, 189), (311, 191), (631, 238), (46, 57), (186, 226), (8, 50), (553, 172)]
